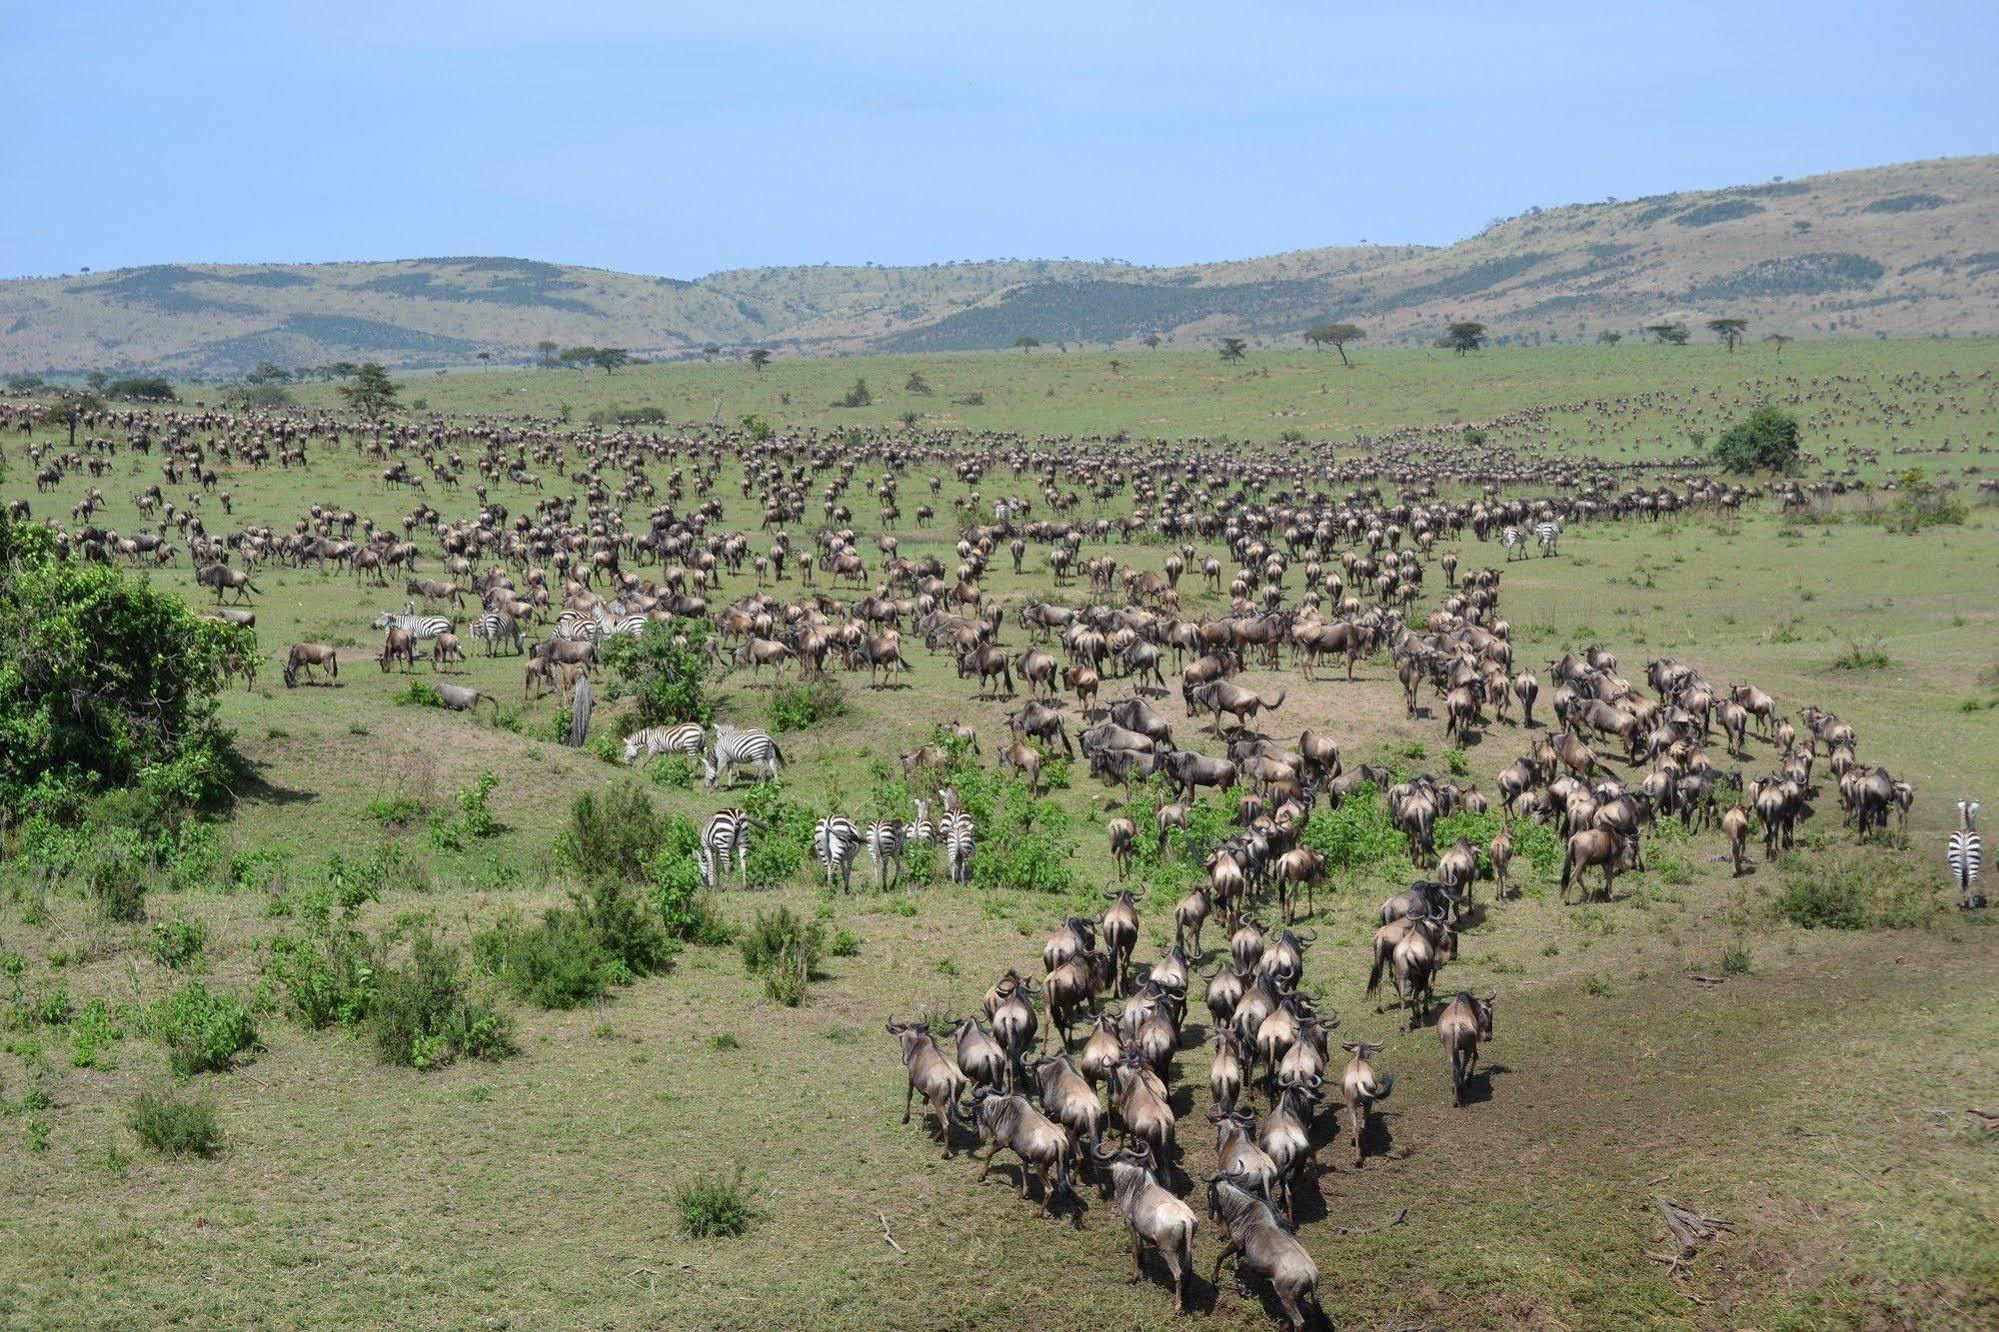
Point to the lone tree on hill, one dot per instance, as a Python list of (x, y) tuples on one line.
[(759, 358), (1027, 342), (1339, 335), (1233, 349), (1729, 331), (1463, 335), (1767, 439), (1151, 340), (371, 392), (710, 352)]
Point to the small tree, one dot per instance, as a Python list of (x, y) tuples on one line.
[(371, 392), (1026, 342), (546, 355), (1463, 335), (268, 372), (710, 352), (1767, 439), (1729, 331), (579, 358), (96, 380), (1779, 339), (663, 671), (1610, 337), (1232, 349), (759, 358), (72, 407), (1674, 334), (1151, 340), (608, 359), (1339, 335), (484, 358)]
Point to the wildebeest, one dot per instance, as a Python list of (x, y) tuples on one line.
[(1464, 1023), (1257, 1237), (931, 1072)]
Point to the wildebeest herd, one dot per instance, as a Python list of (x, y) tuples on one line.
[(1302, 558)]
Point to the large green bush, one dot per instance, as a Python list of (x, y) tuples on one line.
[(105, 682), (423, 1016), (1764, 441), (1357, 835), (203, 1032), (664, 670)]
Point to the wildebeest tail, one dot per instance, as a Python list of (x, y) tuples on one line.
[(1374, 976)]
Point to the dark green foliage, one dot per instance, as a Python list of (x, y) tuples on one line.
[(1465, 335), (423, 1018), (1916, 201), (262, 397), (474, 819), (1920, 503), (203, 1032), (557, 962), (857, 396), (1023, 842), (1766, 440), (1479, 277), (715, 1207), (116, 884), (104, 681), (1797, 275), (148, 388), (176, 1125), (1722, 210), (417, 693), (371, 392), (1847, 892), (611, 834), (793, 707), (662, 670), (1357, 835), (779, 935), (785, 845), (178, 943), (684, 907), (327, 974)]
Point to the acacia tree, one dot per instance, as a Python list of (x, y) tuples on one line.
[(710, 352), (1729, 331), (608, 359), (1233, 348), (1676, 334), (759, 358), (1339, 335), (1463, 335), (1780, 339), (371, 392), (1027, 342), (545, 354), (1151, 340)]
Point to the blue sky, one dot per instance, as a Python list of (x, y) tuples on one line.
[(680, 139)]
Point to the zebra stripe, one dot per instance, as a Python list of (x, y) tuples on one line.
[(1548, 534), (960, 842), (885, 841), (750, 748), (1510, 539), (687, 738), (836, 841), (495, 627), (726, 835), (922, 831), (419, 627), (1966, 854), (576, 626)]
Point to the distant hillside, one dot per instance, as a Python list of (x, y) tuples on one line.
[(1903, 251)]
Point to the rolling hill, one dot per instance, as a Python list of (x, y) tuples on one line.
[(1909, 250)]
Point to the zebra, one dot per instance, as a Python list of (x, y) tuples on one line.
[(1966, 854), (1548, 533), (609, 625), (960, 841), (750, 748), (576, 625), (1510, 539), (422, 628), (885, 841), (496, 627), (921, 831), (836, 841), (724, 837), (687, 738)]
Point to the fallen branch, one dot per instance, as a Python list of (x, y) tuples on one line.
[(885, 1235), (1396, 1220), (1692, 1229), (1709, 982)]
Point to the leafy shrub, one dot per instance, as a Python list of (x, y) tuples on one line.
[(611, 834), (624, 926), (115, 882), (1022, 842), (417, 693), (1906, 203), (671, 770), (1921, 503), (1457, 762), (715, 1207), (1722, 210), (777, 936), (178, 943), (1598, 986), (423, 1018), (1858, 656), (1735, 959), (556, 963), (327, 975), (793, 707), (203, 1032), (685, 909), (786, 842), (664, 671), (475, 819), (175, 1125), (1359, 834), (845, 944), (1766, 440), (1845, 892)]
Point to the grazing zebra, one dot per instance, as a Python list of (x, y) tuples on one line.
[(576, 625), (687, 738), (836, 841), (885, 841), (921, 831), (420, 627), (494, 628), (960, 841), (1510, 539), (1548, 534), (750, 748), (726, 835), (1966, 854)]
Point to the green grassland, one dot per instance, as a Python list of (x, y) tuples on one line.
[(1815, 1099)]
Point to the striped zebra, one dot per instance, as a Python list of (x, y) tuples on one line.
[(1966, 854), (960, 841), (422, 628), (836, 841), (724, 837), (496, 627), (920, 831), (1510, 539), (575, 625), (885, 842), (750, 748), (687, 738), (631, 626), (1548, 533)]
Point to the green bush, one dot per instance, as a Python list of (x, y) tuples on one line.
[(1846, 892), (175, 1125), (793, 707), (327, 975), (423, 1018), (785, 844), (845, 944), (1766, 440), (780, 935), (1022, 842), (178, 943), (106, 681), (664, 670), (1359, 834), (788, 977), (715, 1207), (686, 911), (556, 963), (611, 834), (116, 884), (1735, 959), (474, 820), (417, 693), (203, 1032), (671, 770)]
